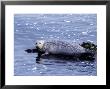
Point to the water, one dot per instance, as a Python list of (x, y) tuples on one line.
[(68, 27)]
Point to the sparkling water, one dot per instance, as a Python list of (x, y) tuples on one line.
[(67, 27)]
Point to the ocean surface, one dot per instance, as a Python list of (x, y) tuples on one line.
[(66, 27)]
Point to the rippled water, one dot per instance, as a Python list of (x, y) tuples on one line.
[(68, 27)]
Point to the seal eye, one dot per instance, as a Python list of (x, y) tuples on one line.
[(39, 43)]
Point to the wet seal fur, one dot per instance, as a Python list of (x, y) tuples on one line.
[(86, 50)]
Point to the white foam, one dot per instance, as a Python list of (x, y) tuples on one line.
[(84, 33)]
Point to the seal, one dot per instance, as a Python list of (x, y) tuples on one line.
[(62, 48)]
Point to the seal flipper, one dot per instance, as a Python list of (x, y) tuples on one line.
[(44, 54)]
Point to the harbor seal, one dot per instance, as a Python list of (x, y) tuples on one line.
[(62, 48)]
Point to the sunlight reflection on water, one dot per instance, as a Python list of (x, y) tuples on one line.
[(68, 27)]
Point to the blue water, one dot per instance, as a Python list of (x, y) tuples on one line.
[(68, 27)]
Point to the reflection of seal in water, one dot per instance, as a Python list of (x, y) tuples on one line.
[(62, 48)]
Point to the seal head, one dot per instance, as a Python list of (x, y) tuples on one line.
[(39, 44)]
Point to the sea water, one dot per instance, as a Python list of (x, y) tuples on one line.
[(66, 27)]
